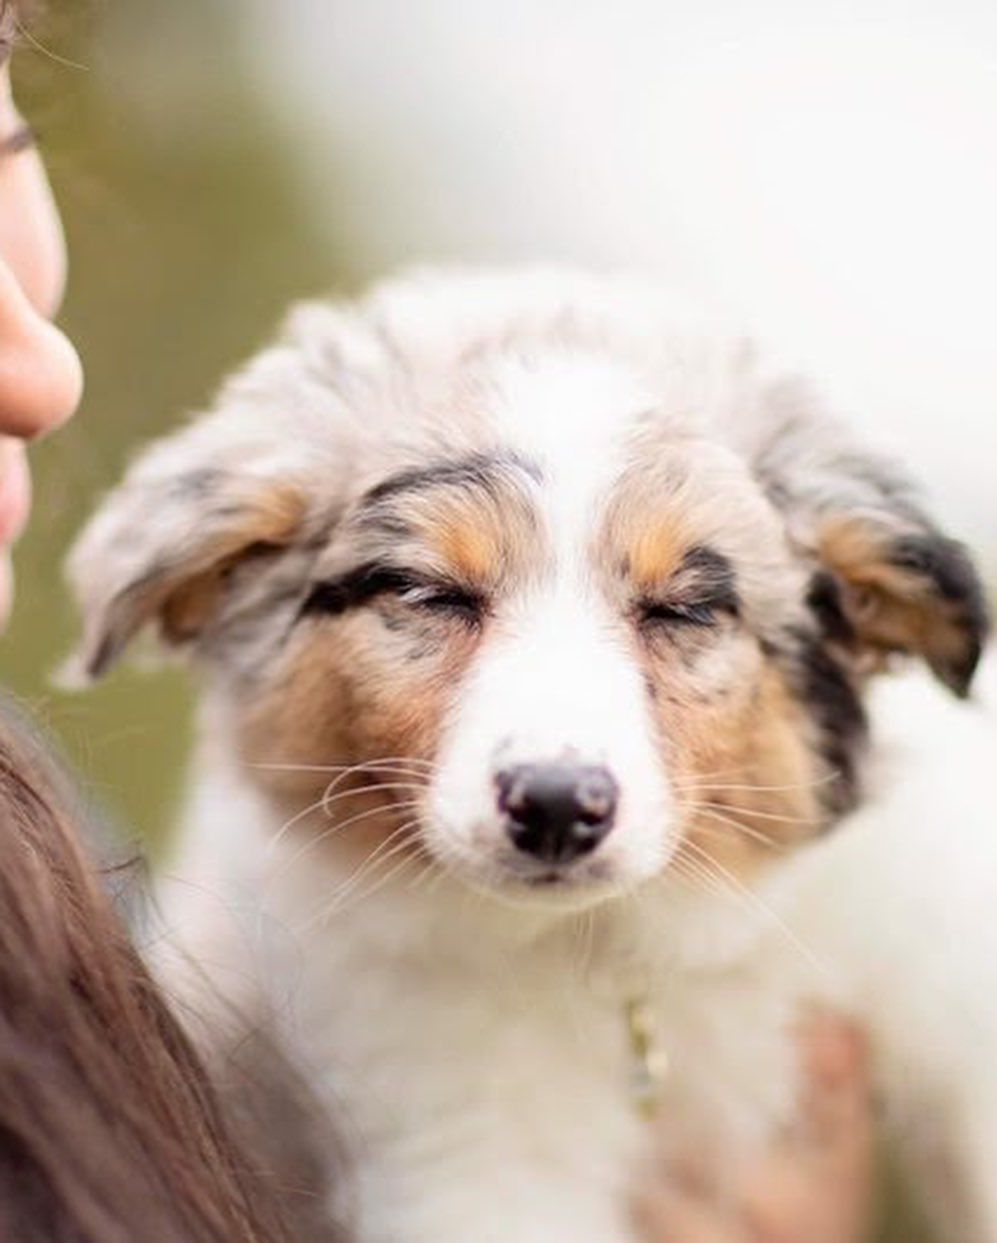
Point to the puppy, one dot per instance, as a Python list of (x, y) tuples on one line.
[(536, 624)]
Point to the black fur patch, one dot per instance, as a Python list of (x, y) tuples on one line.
[(697, 594), (477, 469), (943, 561), (714, 578), (367, 582), (824, 601), (948, 568), (356, 587), (824, 688)]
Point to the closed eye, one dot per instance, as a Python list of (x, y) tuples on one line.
[(443, 597), (680, 613), (372, 581)]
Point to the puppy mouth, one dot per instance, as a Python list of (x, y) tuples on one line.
[(579, 883), (594, 872)]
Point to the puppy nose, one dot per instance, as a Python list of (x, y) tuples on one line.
[(557, 812)]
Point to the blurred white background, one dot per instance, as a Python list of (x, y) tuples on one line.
[(828, 174)]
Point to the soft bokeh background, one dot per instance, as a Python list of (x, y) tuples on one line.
[(827, 173)]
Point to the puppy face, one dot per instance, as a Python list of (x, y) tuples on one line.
[(577, 594)]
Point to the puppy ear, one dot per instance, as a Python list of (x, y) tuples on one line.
[(270, 465), (887, 579), (903, 588), (162, 546)]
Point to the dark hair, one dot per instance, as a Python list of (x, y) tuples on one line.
[(110, 1129)]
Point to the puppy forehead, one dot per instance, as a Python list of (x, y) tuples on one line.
[(570, 412), (643, 478), (558, 455), (573, 414), (527, 444), (559, 452)]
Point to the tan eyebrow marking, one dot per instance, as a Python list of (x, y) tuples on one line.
[(657, 553), (481, 537), (470, 547)]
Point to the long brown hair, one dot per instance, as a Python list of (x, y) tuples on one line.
[(110, 1129)]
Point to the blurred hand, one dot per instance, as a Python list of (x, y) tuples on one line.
[(40, 375), (814, 1187)]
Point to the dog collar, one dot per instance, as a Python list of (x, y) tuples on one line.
[(648, 1060)]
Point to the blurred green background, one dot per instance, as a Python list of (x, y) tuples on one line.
[(186, 245)]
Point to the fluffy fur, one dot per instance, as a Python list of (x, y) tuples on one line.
[(488, 520)]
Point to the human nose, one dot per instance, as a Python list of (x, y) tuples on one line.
[(41, 379)]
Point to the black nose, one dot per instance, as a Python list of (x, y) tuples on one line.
[(557, 812)]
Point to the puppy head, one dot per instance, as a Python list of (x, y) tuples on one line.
[(536, 578)]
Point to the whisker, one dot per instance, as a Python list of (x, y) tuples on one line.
[(370, 767), (705, 782), (738, 808), (371, 788), (383, 850), (720, 810), (338, 827), (412, 761), (383, 881), (751, 901), (436, 871), (585, 942), (695, 874), (376, 859), (724, 824), (741, 770), (434, 868), (289, 824)]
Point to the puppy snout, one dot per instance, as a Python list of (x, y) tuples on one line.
[(557, 812)]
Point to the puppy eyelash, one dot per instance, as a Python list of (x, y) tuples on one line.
[(368, 582), (443, 598), (700, 613), (653, 612)]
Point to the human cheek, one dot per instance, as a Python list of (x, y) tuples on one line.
[(15, 490), (15, 502), (6, 588)]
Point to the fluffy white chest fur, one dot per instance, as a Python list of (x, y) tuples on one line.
[(478, 1056)]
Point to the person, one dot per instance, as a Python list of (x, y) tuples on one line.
[(111, 1127), (815, 1187), (41, 380)]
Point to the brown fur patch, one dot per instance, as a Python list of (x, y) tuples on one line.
[(353, 691), (186, 612), (742, 761), (900, 605), (657, 552), (483, 535), (472, 548), (187, 597)]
